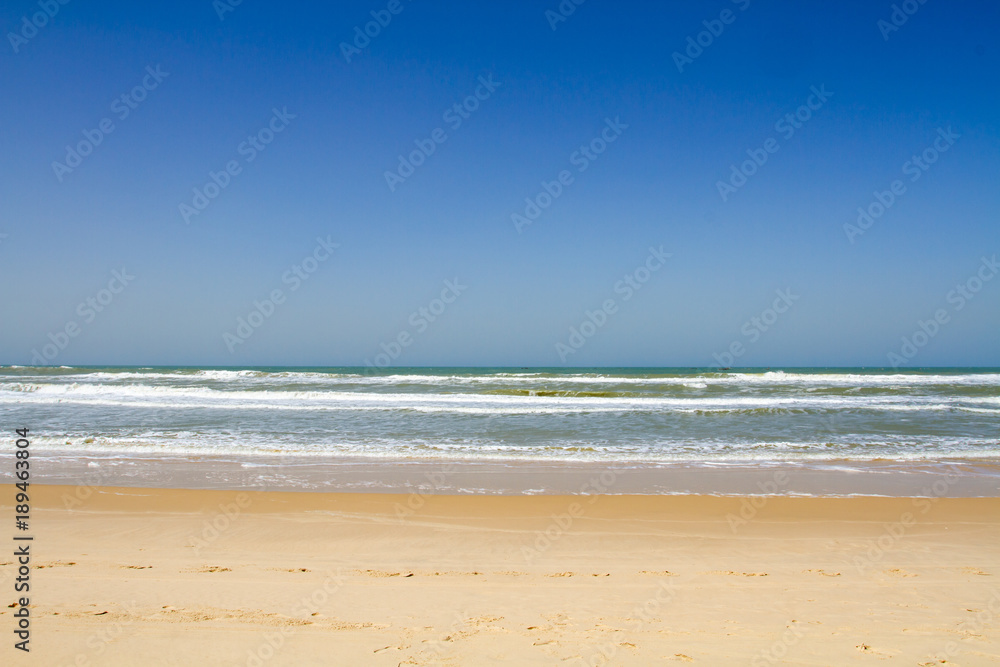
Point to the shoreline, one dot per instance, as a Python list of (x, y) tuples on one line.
[(340, 474), (127, 576)]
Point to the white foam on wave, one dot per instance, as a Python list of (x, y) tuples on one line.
[(695, 380), (702, 380), (707, 452), (170, 397)]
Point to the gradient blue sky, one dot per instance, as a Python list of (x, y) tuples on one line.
[(656, 185)]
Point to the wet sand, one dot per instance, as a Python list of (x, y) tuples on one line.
[(344, 474)]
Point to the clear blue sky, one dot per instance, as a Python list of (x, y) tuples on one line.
[(324, 175)]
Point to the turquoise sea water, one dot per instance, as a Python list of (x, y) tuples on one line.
[(637, 415)]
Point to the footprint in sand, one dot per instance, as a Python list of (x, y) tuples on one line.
[(483, 620), (896, 572), (975, 570), (137, 567), (732, 573), (822, 572), (390, 648), (214, 568), (868, 650)]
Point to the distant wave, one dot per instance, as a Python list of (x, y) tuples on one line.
[(697, 380)]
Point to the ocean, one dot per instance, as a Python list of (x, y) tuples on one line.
[(619, 416)]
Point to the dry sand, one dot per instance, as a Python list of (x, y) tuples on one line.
[(141, 577)]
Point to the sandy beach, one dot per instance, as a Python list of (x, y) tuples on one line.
[(131, 576)]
